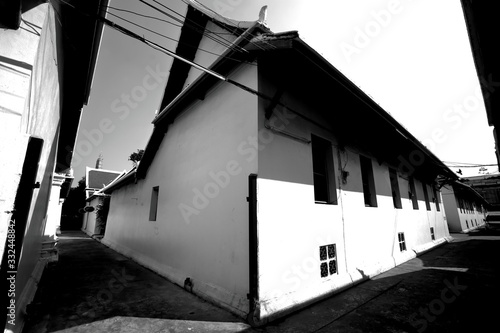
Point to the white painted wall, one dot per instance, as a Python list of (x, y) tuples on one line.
[(20, 46), (460, 220), (89, 218), (209, 242), (291, 227)]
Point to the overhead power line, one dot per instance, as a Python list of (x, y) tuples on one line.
[(192, 25), (472, 166), (467, 165), (142, 15)]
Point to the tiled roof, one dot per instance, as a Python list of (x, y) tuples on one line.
[(97, 179)]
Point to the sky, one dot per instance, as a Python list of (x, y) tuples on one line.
[(412, 57)]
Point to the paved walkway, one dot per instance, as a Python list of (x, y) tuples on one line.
[(454, 288), (94, 289)]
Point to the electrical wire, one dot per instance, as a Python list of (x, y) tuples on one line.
[(467, 165), (230, 23), (175, 40), (200, 29), (31, 26), (234, 32), (142, 15), (222, 78)]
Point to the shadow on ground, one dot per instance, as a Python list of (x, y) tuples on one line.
[(92, 284), (449, 289)]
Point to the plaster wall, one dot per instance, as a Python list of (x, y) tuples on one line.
[(41, 118), (17, 56), (201, 228), (460, 220), (89, 218), (292, 227)]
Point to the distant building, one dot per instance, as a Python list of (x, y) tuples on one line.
[(488, 186), (95, 180), (277, 186), (465, 208)]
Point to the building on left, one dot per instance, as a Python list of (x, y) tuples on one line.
[(47, 61)]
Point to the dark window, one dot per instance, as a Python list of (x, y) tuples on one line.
[(426, 196), (396, 195), (324, 174), (402, 242), (154, 203), (413, 193), (467, 224), (368, 182), (432, 234), (436, 199), (328, 258)]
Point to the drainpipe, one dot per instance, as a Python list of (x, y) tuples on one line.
[(253, 296)]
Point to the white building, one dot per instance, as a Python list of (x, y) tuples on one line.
[(95, 180), (465, 208), (280, 185)]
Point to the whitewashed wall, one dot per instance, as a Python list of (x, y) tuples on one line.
[(89, 218), (204, 239), (291, 227), (460, 220)]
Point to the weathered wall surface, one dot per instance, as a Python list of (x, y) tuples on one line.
[(201, 228)]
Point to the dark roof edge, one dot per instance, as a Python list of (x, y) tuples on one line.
[(224, 58), (471, 189), (97, 38), (477, 55), (300, 46), (118, 183)]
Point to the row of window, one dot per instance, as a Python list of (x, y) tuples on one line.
[(325, 187), (467, 206), (472, 223)]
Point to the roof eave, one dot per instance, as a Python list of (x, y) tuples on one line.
[(308, 52)]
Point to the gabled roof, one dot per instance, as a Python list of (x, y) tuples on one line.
[(469, 191), (191, 34), (96, 179), (102, 191), (288, 56), (120, 181)]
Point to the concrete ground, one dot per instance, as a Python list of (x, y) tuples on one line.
[(454, 288)]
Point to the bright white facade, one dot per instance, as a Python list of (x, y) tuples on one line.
[(465, 208), (229, 193)]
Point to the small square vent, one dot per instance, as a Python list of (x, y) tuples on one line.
[(328, 258)]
